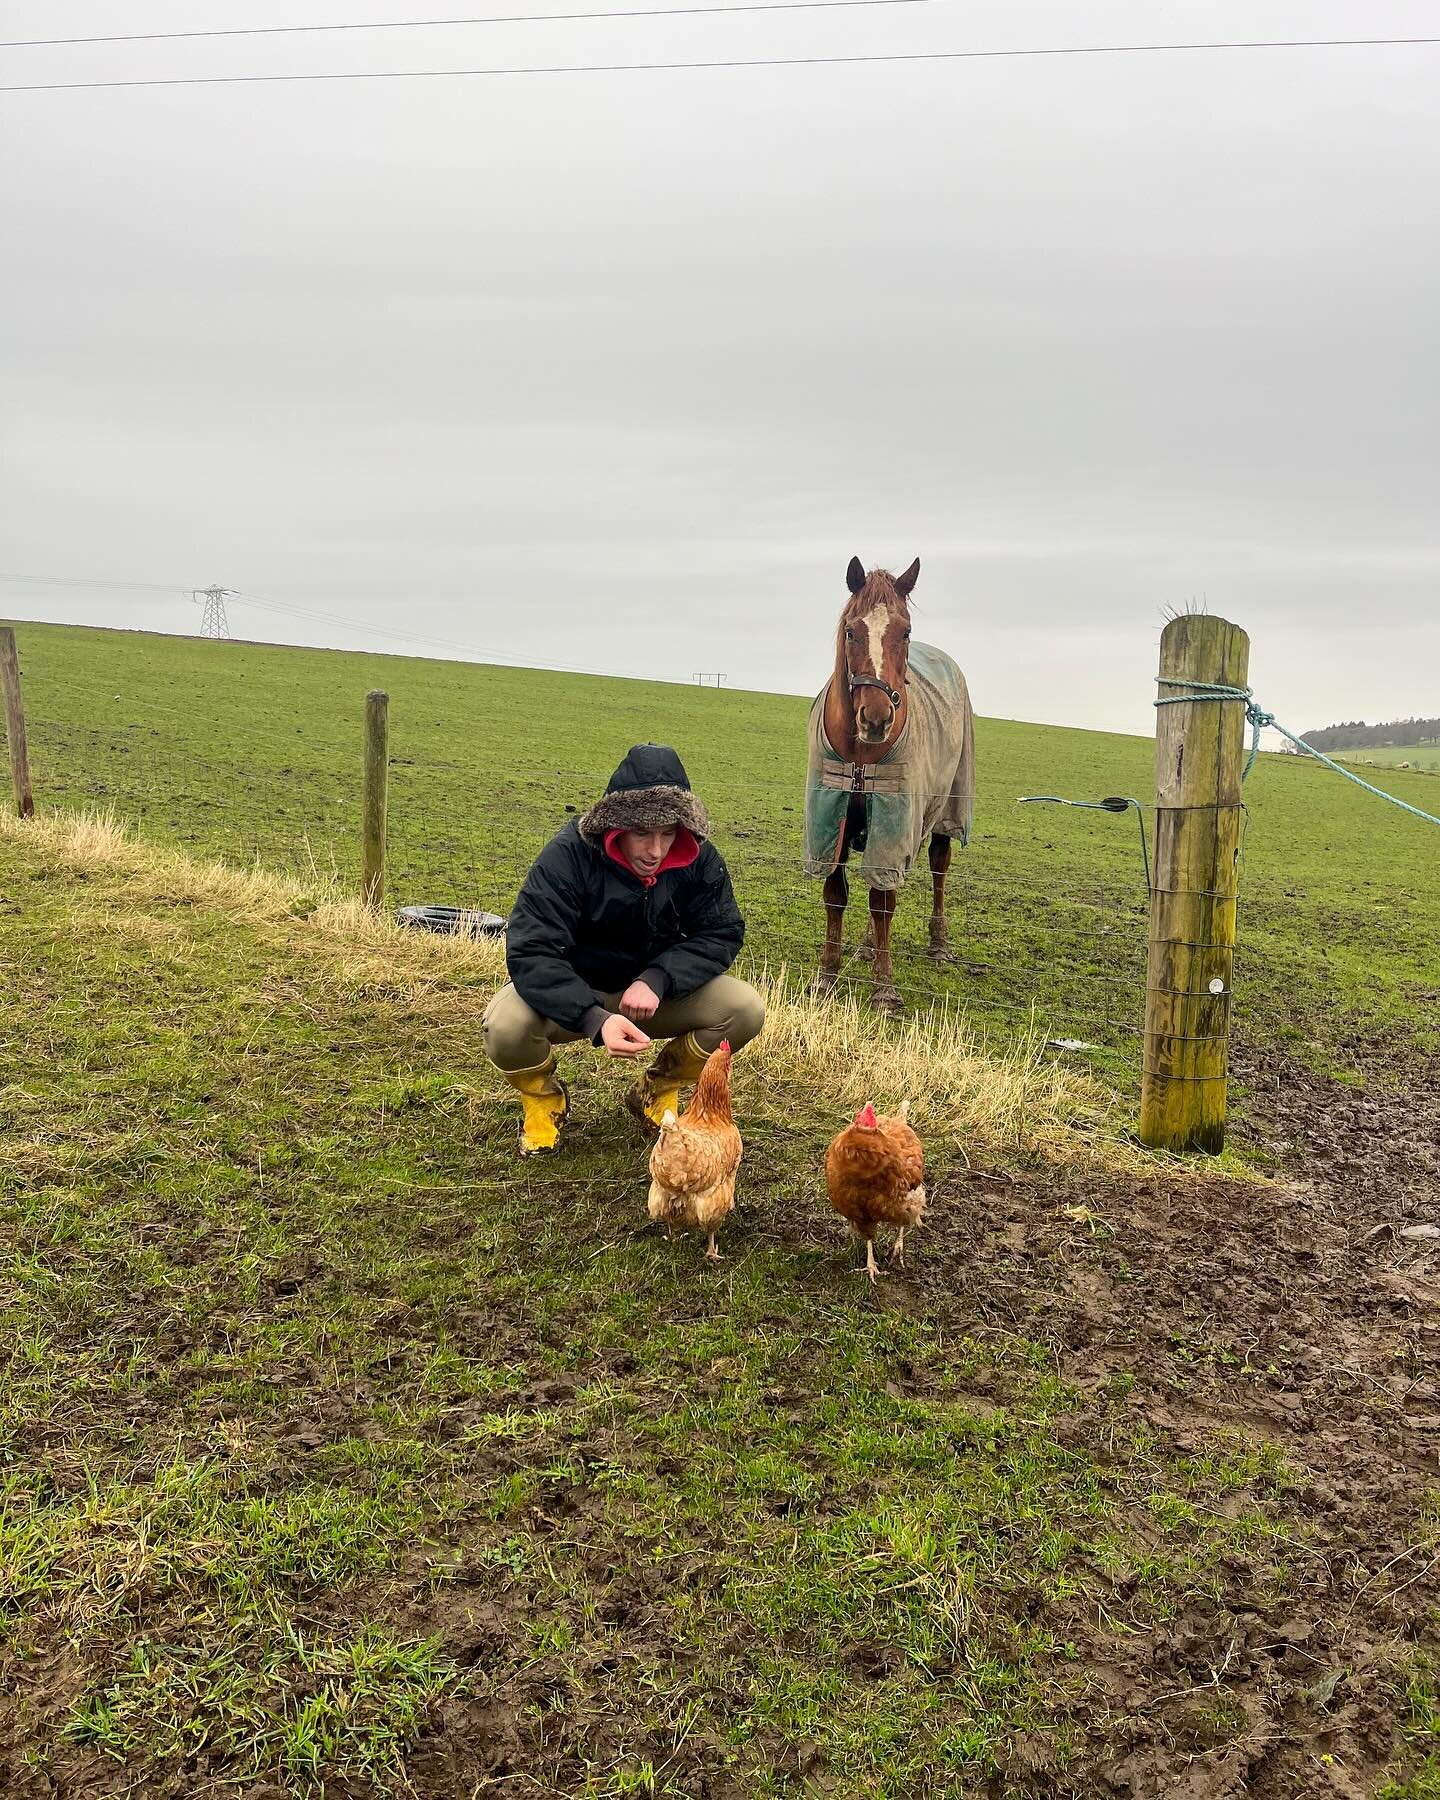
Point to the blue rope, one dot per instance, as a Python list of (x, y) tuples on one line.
[(1259, 719)]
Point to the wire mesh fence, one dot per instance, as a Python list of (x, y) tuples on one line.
[(1047, 909), (1062, 962), (259, 762)]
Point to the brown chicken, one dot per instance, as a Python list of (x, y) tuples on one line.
[(692, 1167), (875, 1173)]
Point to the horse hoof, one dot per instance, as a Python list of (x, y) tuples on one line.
[(887, 1000), (864, 953), (943, 956), (825, 981)]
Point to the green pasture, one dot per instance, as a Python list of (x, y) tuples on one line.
[(252, 752), (1424, 758), (342, 1454)]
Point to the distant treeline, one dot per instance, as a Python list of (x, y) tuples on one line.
[(1357, 735)]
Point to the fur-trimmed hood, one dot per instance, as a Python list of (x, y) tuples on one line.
[(649, 791)]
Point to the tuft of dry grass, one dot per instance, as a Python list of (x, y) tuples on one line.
[(94, 840), (1009, 1095)]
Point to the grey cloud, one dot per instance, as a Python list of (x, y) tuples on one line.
[(660, 353)]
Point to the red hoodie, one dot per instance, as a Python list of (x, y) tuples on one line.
[(681, 854)]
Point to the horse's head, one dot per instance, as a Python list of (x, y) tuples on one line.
[(874, 647)]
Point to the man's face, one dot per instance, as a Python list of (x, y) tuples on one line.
[(646, 850)]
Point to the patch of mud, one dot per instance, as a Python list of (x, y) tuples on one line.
[(1296, 1314), (1300, 1315), (1292, 1315)]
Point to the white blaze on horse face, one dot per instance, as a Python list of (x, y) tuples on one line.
[(870, 728), (876, 621)]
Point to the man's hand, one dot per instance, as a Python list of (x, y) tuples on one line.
[(639, 1001), (621, 1038)]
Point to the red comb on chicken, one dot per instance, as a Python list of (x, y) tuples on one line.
[(875, 1175)]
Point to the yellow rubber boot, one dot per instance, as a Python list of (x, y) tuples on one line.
[(545, 1103), (658, 1090)]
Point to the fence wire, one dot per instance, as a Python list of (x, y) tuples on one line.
[(1066, 964), (1062, 960)]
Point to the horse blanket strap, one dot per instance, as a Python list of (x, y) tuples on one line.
[(925, 784), (863, 778)]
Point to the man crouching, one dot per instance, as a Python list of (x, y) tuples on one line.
[(622, 933)]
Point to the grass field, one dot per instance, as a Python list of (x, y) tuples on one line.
[(251, 752), (1422, 757), (340, 1451)]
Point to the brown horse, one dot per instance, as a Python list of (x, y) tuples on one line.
[(892, 763)]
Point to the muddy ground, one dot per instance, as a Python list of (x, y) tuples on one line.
[(1313, 1283), (1299, 1313)]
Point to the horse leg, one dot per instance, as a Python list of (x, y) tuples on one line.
[(884, 996), (837, 897), (941, 852)]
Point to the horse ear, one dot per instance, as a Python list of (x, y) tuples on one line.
[(904, 583), (855, 575)]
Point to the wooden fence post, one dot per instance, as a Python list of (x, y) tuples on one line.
[(375, 797), (1199, 756), (15, 723)]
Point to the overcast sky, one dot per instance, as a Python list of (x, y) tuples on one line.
[(617, 371)]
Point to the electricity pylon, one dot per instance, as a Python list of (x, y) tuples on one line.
[(214, 622)]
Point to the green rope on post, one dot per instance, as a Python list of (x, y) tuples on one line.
[(1259, 719)]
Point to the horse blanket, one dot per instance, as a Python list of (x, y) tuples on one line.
[(924, 783)]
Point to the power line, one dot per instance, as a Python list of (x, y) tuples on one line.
[(655, 12), (362, 627), (757, 62), (150, 587), (437, 643)]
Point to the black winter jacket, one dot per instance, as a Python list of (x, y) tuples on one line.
[(584, 926)]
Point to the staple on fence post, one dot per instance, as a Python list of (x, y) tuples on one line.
[(15, 723), (1199, 754), (375, 797)]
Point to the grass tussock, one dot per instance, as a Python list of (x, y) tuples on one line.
[(86, 841), (1010, 1095)]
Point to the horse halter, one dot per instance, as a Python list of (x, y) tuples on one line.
[(858, 681)]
